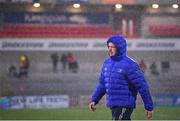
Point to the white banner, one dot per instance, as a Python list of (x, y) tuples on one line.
[(85, 44), (39, 102), (17, 102)]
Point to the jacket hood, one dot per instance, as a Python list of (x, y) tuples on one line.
[(120, 44)]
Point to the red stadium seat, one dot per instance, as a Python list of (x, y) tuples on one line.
[(57, 31), (165, 30)]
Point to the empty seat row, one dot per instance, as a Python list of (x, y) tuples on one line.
[(53, 31), (165, 30)]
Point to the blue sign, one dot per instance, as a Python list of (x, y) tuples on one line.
[(19, 1), (56, 18), (72, 1), (4, 103), (163, 100)]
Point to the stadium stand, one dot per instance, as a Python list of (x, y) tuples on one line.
[(59, 31), (41, 79), (165, 30), (6, 87)]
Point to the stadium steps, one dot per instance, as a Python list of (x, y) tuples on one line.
[(69, 83)]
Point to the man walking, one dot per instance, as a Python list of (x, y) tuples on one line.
[(121, 79)]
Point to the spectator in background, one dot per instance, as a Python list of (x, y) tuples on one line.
[(121, 79), (24, 66), (55, 59), (165, 66), (63, 62), (153, 69), (12, 71), (72, 63), (142, 65)]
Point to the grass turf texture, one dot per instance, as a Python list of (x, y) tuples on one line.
[(102, 113)]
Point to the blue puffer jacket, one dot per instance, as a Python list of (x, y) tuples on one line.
[(121, 79)]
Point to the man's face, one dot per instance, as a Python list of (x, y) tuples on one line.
[(111, 49)]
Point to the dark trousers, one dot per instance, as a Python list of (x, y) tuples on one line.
[(121, 113)]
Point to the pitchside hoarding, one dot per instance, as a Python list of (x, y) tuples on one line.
[(85, 44), (35, 102)]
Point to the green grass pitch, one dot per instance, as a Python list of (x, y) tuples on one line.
[(102, 113)]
